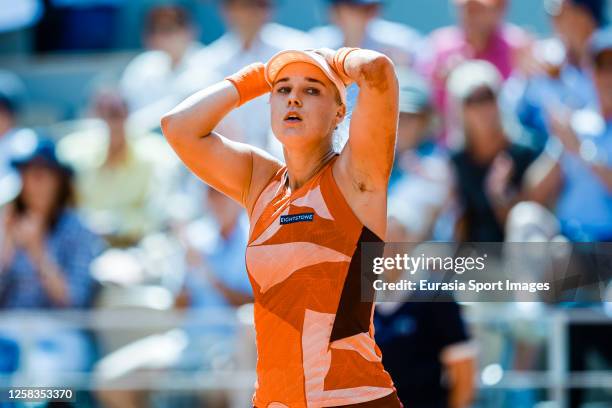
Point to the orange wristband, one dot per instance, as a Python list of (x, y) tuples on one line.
[(339, 60), (250, 82)]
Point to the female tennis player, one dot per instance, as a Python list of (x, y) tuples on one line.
[(315, 339)]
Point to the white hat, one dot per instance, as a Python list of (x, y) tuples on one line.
[(284, 58), (472, 75)]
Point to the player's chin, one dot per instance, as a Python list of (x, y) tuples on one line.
[(292, 137), (292, 131)]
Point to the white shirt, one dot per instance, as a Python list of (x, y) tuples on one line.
[(152, 86), (397, 41), (251, 122)]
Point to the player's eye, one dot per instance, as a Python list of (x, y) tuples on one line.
[(284, 90), (312, 91)]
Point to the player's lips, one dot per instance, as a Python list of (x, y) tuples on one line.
[(292, 117)]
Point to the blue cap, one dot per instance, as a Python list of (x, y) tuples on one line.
[(42, 152), (597, 8), (601, 41)]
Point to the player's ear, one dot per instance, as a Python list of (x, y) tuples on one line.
[(340, 113)]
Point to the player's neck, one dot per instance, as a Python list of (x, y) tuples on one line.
[(303, 165)]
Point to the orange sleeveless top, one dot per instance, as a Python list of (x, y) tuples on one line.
[(315, 337)]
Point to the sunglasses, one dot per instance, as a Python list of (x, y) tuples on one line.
[(480, 97)]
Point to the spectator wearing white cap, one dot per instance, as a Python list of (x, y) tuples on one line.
[(488, 161)]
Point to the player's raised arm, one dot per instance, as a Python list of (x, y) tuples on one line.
[(370, 148), (223, 164)]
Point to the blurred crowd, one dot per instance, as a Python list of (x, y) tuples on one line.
[(502, 137)]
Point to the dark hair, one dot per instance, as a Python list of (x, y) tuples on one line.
[(166, 18), (596, 8), (64, 198)]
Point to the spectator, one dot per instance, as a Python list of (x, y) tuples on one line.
[(158, 79), (562, 79), (12, 139), (419, 188), (356, 23), (489, 165), (218, 277), (45, 257), (574, 177), (481, 34), (46, 250), (122, 175), (577, 161), (250, 38), (425, 346), (216, 284)]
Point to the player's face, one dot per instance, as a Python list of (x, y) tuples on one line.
[(305, 106)]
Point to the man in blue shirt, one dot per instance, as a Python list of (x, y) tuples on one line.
[(574, 174), (562, 80)]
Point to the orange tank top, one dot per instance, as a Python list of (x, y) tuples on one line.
[(315, 337)]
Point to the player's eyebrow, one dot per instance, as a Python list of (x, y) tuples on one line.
[(314, 80), (286, 79)]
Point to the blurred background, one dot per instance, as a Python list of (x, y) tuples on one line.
[(122, 277)]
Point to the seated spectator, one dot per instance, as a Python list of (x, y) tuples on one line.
[(573, 177), (577, 163), (216, 282), (426, 349), (481, 34), (158, 79), (420, 183), (562, 79), (489, 164), (122, 175), (218, 278), (250, 37), (12, 139), (45, 256), (356, 23)]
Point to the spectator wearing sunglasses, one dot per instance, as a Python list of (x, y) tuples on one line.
[(489, 164)]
